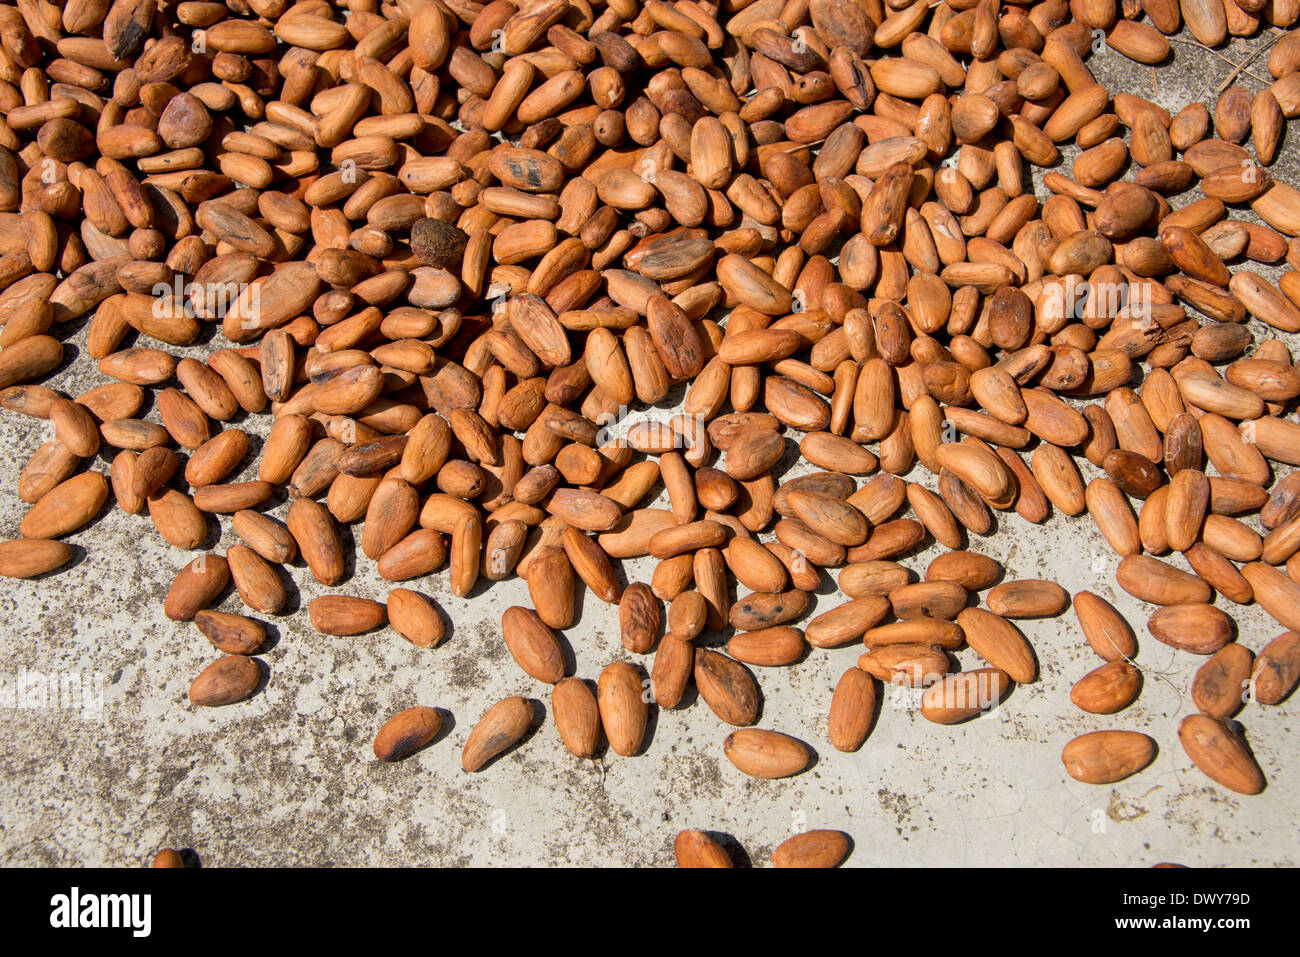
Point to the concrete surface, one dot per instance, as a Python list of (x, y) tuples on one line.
[(287, 778)]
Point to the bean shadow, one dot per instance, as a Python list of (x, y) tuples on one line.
[(109, 503), (72, 327), (739, 856), (580, 592), (826, 585), (690, 694), (789, 459), (813, 757), (602, 743), (566, 652), (995, 525), (535, 725), (852, 846), (877, 708), (482, 584), (211, 523), (70, 354), (447, 624), (272, 639), (350, 550), (651, 726), (251, 459), (292, 594), (208, 330), (447, 725), (78, 556), (263, 678)]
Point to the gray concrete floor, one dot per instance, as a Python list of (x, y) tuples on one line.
[(288, 778)]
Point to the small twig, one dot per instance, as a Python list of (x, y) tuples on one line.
[(1240, 68), (1201, 46), (1277, 35)]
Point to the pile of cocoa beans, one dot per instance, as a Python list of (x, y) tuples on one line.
[(460, 251)]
